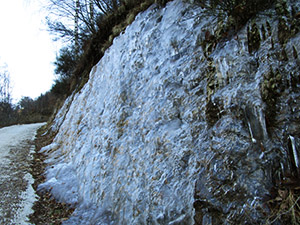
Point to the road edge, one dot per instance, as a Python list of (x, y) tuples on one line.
[(46, 210)]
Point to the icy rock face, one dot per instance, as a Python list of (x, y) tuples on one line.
[(172, 129)]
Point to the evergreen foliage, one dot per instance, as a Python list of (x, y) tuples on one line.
[(65, 63)]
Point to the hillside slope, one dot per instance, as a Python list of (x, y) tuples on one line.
[(180, 123)]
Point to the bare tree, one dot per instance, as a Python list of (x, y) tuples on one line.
[(5, 87), (75, 19), (6, 109), (76, 29), (67, 19)]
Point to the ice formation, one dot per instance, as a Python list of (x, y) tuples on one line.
[(167, 127)]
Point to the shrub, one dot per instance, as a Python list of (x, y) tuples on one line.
[(65, 63), (240, 10)]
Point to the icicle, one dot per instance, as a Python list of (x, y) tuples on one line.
[(262, 121), (250, 130), (295, 155), (256, 123)]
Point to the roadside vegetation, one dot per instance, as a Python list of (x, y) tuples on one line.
[(26, 110)]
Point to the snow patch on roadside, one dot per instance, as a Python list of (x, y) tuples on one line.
[(28, 198)]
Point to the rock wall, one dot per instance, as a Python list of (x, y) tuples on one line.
[(180, 123)]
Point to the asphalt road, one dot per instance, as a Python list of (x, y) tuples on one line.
[(16, 192)]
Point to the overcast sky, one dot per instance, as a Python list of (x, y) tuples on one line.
[(26, 47)]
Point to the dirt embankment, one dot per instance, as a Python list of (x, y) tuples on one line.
[(46, 209)]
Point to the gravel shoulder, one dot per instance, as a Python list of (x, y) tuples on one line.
[(16, 192)]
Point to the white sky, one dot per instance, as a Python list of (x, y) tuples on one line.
[(26, 47)]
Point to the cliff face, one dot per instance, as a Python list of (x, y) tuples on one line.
[(178, 126)]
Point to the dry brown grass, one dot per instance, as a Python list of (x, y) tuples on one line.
[(285, 206)]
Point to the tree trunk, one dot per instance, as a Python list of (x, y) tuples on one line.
[(92, 15), (76, 29)]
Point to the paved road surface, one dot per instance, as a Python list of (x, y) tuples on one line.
[(16, 193)]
